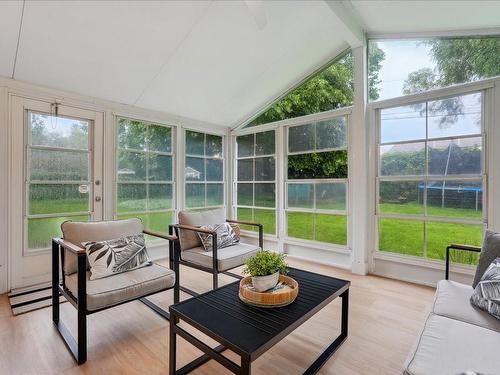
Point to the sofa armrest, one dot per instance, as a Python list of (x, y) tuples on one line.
[(69, 246), (160, 235), (194, 229), (260, 226), (455, 246)]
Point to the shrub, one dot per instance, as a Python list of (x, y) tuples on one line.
[(265, 263)]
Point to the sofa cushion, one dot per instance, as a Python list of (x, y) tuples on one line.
[(486, 296), (225, 236), (78, 232), (453, 301), (227, 258), (489, 252), (449, 347), (190, 239), (124, 286)]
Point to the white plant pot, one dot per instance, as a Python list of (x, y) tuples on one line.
[(263, 283)]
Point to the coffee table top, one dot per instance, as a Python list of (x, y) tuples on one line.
[(252, 330)]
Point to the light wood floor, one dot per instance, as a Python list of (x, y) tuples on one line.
[(385, 318)]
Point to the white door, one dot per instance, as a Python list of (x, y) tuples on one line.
[(56, 175)]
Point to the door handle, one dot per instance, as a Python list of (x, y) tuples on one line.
[(98, 199)]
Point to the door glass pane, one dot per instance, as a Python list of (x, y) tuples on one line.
[(331, 229), (401, 236), (47, 130), (407, 159), (160, 197), (215, 169), (245, 170), (42, 230), (215, 194), (245, 194), (300, 225), (131, 166), (402, 197), (160, 167), (455, 198), (404, 123), (195, 169), (131, 197), (195, 143), (264, 195), (264, 169), (50, 165), (265, 143), (195, 195), (159, 138), (460, 115), (331, 133), (331, 196), (455, 157), (49, 198), (214, 146), (245, 145), (301, 195), (301, 138), (131, 134)]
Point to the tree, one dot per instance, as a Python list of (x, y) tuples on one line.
[(330, 89)]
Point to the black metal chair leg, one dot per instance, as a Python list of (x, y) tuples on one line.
[(215, 280), (82, 309), (55, 282)]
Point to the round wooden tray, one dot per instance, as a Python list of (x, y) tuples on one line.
[(277, 298)]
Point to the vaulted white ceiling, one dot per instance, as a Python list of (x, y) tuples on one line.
[(215, 61)]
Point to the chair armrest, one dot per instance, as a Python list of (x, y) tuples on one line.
[(160, 235), (194, 229), (244, 222), (70, 246), (455, 246)]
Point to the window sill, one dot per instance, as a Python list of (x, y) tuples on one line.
[(317, 245)]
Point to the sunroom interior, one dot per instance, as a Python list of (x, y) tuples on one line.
[(360, 136)]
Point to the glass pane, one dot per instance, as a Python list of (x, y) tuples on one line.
[(300, 225), (160, 197), (456, 116), (301, 195), (160, 167), (215, 169), (332, 164), (245, 170), (440, 235), (195, 169), (265, 195), (48, 199), (131, 166), (215, 195), (245, 214), (41, 231), (131, 134), (131, 197), (245, 194), (331, 133), (245, 145), (403, 123), (455, 198), (455, 157), (401, 236), (265, 143), (54, 131), (195, 195), (402, 197), (159, 138), (155, 221), (331, 229), (264, 169), (214, 146), (267, 218), (301, 138), (406, 159), (195, 143), (48, 165), (331, 196)]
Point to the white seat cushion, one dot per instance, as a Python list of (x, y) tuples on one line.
[(453, 301), (124, 286), (451, 347), (227, 257)]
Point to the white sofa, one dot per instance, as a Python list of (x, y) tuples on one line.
[(457, 337)]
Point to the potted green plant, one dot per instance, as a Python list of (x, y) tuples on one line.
[(265, 268)]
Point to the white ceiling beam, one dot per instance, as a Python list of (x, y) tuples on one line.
[(352, 29)]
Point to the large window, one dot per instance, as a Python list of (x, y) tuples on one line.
[(316, 184), (256, 179), (410, 66), (145, 183), (204, 172), (430, 183)]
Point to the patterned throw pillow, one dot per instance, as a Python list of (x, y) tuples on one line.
[(225, 236), (115, 256), (486, 296)]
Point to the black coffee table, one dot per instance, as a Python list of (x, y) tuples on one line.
[(250, 331)]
